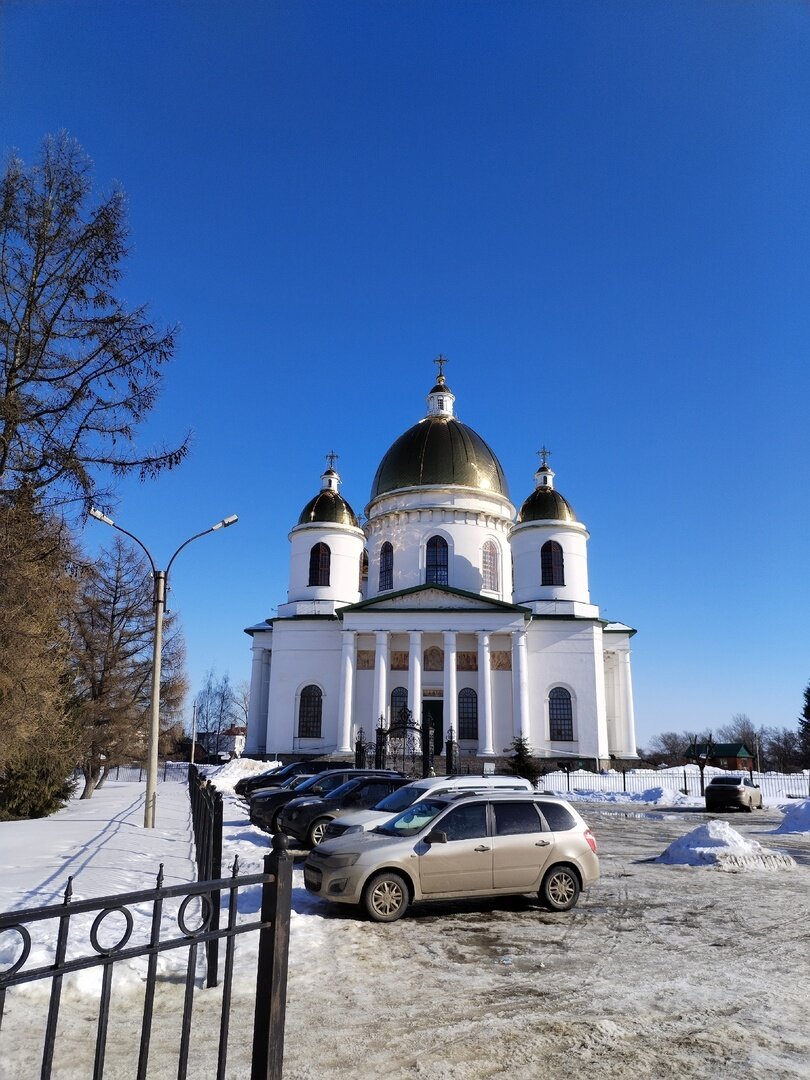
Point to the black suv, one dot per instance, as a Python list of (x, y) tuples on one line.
[(276, 777), (266, 805), (306, 816)]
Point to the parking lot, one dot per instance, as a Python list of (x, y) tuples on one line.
[(659, 971)]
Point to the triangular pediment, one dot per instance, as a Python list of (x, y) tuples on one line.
[(431, 598)]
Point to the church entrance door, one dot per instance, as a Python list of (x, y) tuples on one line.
[(433, 710)]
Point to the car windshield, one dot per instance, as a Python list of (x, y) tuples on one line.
[(344, 789), (735, 781), (400, 799), (414, 819)]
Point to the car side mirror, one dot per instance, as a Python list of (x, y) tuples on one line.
[(435, 836)]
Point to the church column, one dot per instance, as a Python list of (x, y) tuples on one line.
[(346, 692), (415, 676), (520, 685), (257, 709), (450, 683), (628, 720), (380, 675), (485, 696)]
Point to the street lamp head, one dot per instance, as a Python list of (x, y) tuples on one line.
[(97, 514), (225, 522)]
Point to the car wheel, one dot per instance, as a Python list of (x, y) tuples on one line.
[(560, 889), (750, 807), (316, 831), (386, 898)]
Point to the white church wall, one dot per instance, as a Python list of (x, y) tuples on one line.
[(304, 653), (562, 654)]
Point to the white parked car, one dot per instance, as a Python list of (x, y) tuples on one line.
[(363, 820)]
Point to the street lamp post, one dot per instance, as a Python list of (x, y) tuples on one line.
[(160, 579)]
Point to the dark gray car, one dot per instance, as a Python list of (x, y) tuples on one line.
[(265, 806)]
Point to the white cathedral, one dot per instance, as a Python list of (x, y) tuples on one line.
[(445, 602)]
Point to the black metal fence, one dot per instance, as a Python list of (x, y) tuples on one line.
[(168, 771), (69, 956), (206, 823)]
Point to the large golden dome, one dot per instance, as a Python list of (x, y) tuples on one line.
[(439, 451)]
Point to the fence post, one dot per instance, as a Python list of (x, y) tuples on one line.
[(624, 779), (271, 976), (212, 957)]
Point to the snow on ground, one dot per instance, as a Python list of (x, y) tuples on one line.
[(717, 844), (660, 971)]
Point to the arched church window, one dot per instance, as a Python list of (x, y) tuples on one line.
[(386, 567), (320, 558), (437, 561), (399, 706), (310, 708), (551, 564), (363, 569), (491, 567), (560, 715), (467, 714)]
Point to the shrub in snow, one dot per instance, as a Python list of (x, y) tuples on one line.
[(717, 844)]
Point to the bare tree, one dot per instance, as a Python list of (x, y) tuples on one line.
[(780, 750), (80, 371), (218, 709), (668, 748), (113, 632)]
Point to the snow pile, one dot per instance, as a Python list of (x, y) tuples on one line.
[(796, 819), (654, 796), (717, 844), (224, 777)]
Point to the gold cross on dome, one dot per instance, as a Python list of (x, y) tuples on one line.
[(544, 456), (332, 457), (440, 361)]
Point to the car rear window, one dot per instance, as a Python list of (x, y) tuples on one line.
[(514, 818), (735, 781), (559, 819)]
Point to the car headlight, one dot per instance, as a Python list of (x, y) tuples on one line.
[(351, 828), (337, 862)]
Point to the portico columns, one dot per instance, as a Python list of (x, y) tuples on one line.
[(485, 695), (415, 676), (520, 686), (346, 692), (450, 683), (380, 676)]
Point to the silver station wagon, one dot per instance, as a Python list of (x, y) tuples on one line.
[(459, 846)]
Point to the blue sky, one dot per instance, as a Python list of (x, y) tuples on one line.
[(598, 211)]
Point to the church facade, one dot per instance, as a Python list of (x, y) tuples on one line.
[(449, 603)]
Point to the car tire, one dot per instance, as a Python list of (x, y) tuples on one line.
[(386, 897), (560, 888), (316, 831), (750, 807)]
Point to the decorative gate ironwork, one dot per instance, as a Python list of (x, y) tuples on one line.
[(273, 927)]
